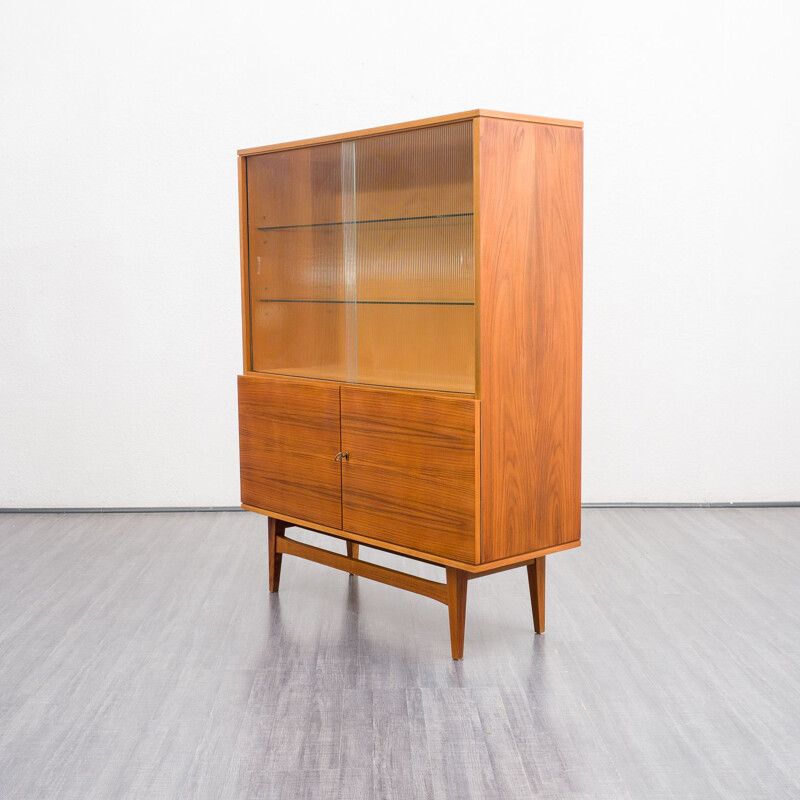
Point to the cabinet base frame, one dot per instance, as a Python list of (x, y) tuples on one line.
[(453, 593), (486, 568)]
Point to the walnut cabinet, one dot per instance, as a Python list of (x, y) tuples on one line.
[(411, 303)]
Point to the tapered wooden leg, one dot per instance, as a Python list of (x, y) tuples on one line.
[(276, 528), (457, 605), (536, 585), (352, 550)]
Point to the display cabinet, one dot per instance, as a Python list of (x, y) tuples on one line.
[(411, 303)]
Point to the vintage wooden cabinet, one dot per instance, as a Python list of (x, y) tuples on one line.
[(411, 303)]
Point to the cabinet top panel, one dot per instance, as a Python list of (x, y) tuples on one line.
[(417, 123)]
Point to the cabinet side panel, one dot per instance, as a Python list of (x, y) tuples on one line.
[(531, 243)]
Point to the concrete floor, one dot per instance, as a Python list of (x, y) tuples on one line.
[(141, 656)]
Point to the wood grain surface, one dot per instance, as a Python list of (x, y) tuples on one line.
[(536, 584), (410, 476), (402, 126), (457, 607), (530, 264), (275, 528), (288, 437)]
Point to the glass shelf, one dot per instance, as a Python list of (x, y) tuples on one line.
[(374, 302), (364, 222)]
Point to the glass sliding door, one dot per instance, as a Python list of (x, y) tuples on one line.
[(298, 294), (415, 281)]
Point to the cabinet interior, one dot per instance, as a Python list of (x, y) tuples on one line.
[(361, 262)]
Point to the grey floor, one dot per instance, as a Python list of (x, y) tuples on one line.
[(141, 656)]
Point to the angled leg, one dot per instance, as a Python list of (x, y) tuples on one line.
[(276, 528), (457, 605), (352, 551), (536, 585)]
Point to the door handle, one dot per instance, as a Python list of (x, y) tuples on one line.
[(339, 456)]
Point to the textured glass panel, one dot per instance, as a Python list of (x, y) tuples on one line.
[(417, 345), (414, 259), (429, 260), (297, 265), (361, 260)]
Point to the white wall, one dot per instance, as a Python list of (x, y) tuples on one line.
[(119, 299)]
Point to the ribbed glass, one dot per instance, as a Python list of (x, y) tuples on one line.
[(297, 263), (361, 260), (415, 266)]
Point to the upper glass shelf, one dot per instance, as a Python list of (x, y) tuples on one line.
[(356, 301), (364, 222)]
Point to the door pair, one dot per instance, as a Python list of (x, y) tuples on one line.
[(409, 476)]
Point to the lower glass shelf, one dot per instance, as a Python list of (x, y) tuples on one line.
[(373, 302), (465, 217)]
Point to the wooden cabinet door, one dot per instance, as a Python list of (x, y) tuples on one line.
[(288, 440), (409, 478)]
